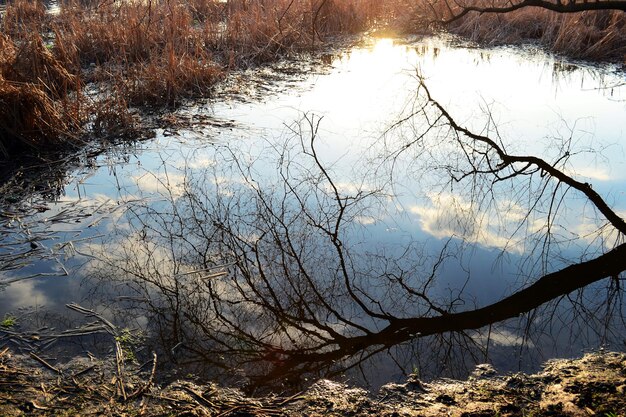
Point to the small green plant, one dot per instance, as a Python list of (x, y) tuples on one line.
[(8, 321), (125, 338), (127, 341)]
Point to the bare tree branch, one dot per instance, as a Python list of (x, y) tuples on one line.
[(567, 6)]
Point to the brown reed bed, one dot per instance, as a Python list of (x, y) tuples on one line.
[(157, 53), (24, 17), (37, 107), (142, 53), (596, 35)]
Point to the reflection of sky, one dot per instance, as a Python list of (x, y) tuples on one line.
[(367, 90)]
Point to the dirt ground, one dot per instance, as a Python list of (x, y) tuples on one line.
[(594, 385)]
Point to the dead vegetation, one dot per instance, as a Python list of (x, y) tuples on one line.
[(138, 53), (588, 35), (34, 385), (158, 53), (37, 108), (593, 34)]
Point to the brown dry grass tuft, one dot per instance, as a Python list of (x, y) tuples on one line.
[(24, 17), (30, 118), (592, 35), (167, 79), (35, 101), (33, 62), (111, 120)]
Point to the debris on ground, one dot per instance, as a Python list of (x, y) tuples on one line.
[(594, 385)]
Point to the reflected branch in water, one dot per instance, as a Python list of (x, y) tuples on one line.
[(277, 278)]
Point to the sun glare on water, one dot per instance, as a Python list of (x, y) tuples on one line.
[(383, 47), (366, 83)]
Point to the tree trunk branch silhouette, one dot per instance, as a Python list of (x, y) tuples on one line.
[(547, 288), (567, 6)]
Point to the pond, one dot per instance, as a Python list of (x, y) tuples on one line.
[(269, 230)]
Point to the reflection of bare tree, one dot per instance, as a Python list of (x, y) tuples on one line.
[(272, 277)]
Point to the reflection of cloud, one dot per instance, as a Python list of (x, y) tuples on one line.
[(596, 230), (507, 225), (23, 294), (365, 220), (599, 174), (197, 163), (157, 272), (228, 186), (350, 188), (161, 183), (502, 337), (447, 217), (221, 180), (451, 216), (133, 249)]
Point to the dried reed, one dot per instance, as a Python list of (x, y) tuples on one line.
[(592, 35), (36, 108), (24, 17), (159, 52)]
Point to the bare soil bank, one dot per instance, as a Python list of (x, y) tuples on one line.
[(594, 385)]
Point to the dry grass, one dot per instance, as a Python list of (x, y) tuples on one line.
[(160, 52), (24, 17), (35, 97), (591, 35), (29, 117), (143, 53), (34, 63), (168, 78)]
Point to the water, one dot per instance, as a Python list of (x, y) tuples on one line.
[(173, 236)]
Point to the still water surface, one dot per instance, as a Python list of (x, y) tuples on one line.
[(532, 102)]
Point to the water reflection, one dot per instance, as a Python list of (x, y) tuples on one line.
[(278, 278), (271, 262)]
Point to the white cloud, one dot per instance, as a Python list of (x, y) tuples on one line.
[(448, 215), (502, 337), (592, 173), (161, 183)]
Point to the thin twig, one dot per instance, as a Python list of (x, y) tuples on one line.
[(44, 363)]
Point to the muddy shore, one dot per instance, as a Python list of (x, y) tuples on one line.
[(594, 385)]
